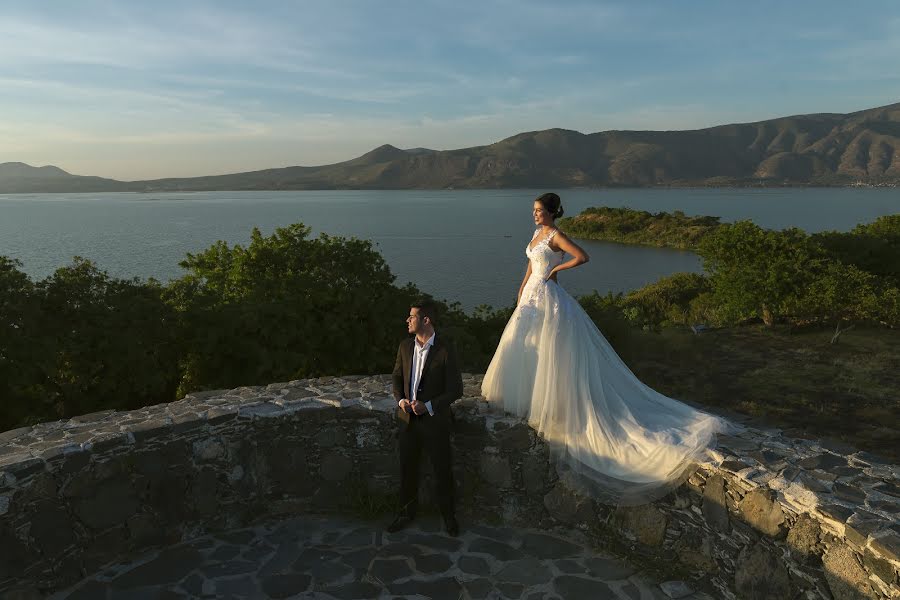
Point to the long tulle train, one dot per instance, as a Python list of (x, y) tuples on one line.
[(623, 441)]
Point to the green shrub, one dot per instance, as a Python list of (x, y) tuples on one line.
[(23, 349), (287, 307), (667, 301), (758, 273), (81, 341)]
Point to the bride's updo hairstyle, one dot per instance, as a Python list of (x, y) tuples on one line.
[(552, 204)]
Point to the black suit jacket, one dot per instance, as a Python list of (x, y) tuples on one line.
[(441, 381)]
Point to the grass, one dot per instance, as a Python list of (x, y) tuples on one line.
[(795, 380), (368, 504)]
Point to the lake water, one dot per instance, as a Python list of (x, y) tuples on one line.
[(459, 245)]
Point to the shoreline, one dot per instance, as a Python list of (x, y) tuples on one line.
[(666, 186)]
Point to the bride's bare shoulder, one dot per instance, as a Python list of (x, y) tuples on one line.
[(556, 236)]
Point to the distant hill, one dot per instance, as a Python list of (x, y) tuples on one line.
[(17, 177), (818, 149)]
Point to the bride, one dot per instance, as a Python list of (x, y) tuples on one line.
[(625, 442)]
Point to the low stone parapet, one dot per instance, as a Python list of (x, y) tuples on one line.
[(766, 517)]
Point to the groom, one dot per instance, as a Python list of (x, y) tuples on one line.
[(426, 382)]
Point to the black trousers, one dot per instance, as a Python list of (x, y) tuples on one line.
[(434, 438)]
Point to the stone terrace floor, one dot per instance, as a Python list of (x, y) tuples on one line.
[(343, 558)]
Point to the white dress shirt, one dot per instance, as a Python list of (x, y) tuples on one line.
[(420, 354)]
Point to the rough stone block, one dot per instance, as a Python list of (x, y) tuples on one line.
[(517, 438), (568, 507), (108, 441), (803, 537), (14, 434), (51, 528), (888, 546), (646, 522), (208, 449), (760, 510), (534, 474), (861, 525), (204, 492), (496, 470), (113, 503), (734, 466), (888, 487), (697, 551), (330, 437), (473, 565), (170, 565), (144, 530), (572, 586), (849, 493), (879, 566), (835, 511), (335, 467), (714, 507), (43, 487), (761, 575), (547, 546), (22, 466), (151, 429), (846, 578), (105, 548), (528, 571), (824, 461)]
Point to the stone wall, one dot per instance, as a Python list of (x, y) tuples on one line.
[(767, 517)]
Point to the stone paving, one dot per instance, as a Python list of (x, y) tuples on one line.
[(342, 558)]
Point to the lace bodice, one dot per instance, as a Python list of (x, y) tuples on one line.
[(543, 259)]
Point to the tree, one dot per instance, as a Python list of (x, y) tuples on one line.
[(861, 282), (887, 310), (877, 255), (112, 343), (286, 307), (886, 227), (840, 294), (756, 272), (22, 347)]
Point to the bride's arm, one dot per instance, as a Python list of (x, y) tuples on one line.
[(579, 256), (524, 281)]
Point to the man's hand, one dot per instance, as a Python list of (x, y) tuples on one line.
[(418, 407), (405, 405)]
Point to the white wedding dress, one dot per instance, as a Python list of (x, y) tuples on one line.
[(611, 433)]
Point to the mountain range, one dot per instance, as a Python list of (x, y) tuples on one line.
[(817, 149)]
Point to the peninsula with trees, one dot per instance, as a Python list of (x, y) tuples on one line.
[(630, 226)]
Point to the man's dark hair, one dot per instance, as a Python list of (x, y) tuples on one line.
[(427, 308)]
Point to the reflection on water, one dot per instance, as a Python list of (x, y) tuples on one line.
[(464, 245)]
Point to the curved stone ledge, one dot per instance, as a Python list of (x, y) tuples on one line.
[(766, 517)]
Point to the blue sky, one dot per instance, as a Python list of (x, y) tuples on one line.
[(135, 90)]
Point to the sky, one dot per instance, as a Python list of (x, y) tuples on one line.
[(141, 90)]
